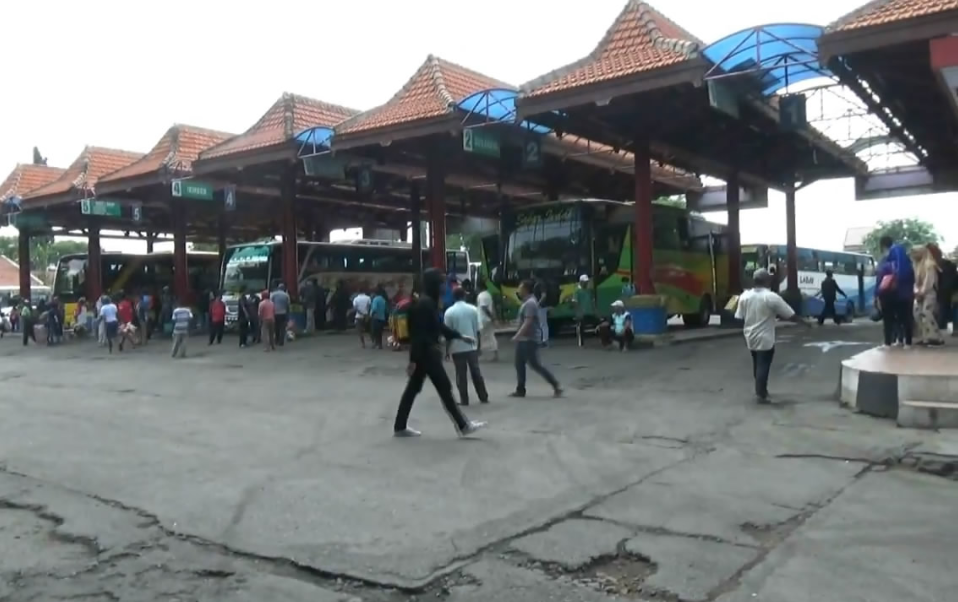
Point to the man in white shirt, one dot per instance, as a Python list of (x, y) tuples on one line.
[(361, 304), (108, 313), (759, 308), (464, 319), (487, 325)]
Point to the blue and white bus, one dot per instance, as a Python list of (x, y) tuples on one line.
[(854, 273)]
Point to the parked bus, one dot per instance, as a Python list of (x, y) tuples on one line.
[(130, 272), (854, 273), (258, 266), (560, 241)]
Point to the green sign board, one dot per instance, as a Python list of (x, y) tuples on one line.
[(192, 189), (28, 221), (102, 208), (480, 142)]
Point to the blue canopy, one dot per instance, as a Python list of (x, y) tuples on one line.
[(776, 55), (498, 104), (315, 139)]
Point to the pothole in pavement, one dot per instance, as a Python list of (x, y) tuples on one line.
[(622, 574)]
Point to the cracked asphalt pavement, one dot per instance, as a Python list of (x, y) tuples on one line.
[(238, 475)]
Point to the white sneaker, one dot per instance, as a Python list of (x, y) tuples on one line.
[(408, 432), (471, 428)]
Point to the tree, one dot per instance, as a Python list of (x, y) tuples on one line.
[(908, 232), (44, 250)]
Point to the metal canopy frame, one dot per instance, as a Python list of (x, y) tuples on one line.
[(314, 141), (777, 56)]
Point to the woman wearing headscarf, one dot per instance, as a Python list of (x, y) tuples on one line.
[(947, 285), (926, 297), (896, 294)]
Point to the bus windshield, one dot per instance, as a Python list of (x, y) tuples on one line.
[(247, 266), (547, 243), (70, 283)]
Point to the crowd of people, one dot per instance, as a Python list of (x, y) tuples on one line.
[(914, 300)]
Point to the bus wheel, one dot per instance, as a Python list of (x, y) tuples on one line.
[(703, 316)]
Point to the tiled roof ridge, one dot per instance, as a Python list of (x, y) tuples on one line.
[(17, 172), (649, 17), (435, 65), (867, 8)]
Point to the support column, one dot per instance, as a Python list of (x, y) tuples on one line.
[(221, 228), (181, 274), (415, 223), (642, 258), (734, 241), (94, 264), (792, 293), (436, 198), (290, 247), (23, 256), (150, 240)]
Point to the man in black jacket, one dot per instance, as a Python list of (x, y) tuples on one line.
[(830, 292), (425, 358)]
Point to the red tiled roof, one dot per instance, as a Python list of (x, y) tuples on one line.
[(641, 39), (10, 273), (174, 153), (432, 91), (92, 164), (26, 177), (883, 12), (288, 116)]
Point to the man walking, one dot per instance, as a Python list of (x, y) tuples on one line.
[(528, 339), (584, 307), (425, 359), (487, 322), (280, 299), (464, 319), (759, 307), (830, 292)]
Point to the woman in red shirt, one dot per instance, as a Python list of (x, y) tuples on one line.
[(217, 319)]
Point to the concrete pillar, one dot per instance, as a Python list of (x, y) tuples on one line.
[(436, 199), (792, 293), (415, 224), (181, 274), (94, 264), (642, 257), (734, 237), (290, 269), (23, 248)]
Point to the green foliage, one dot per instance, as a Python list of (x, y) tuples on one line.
[(44, 250), (908, 232), (677, 201)]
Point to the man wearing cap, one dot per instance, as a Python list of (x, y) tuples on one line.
[(759, 307), (584, 306), (618, 328)]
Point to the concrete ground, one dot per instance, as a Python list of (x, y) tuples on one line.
[(241, 475)]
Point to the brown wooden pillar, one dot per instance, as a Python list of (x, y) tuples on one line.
[(181, 274), (734, 242), (642, 257), (436, 198), (290, 269), (23, 256), (415, 223), (150, 240), (94, 264)]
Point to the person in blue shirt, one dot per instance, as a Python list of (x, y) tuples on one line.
[(378, 313), (896, 293), (617, 328)]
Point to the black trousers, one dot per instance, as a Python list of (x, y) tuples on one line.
[(828, 311), (527, 352), (898, 321), (377, 327), (216, 332), (279, 329), (431, 367), (944, 314), (607, 336), (761, 367), (243, 325), (468, 361), (28, 334)]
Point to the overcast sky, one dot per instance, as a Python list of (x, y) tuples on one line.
[(118, 73)]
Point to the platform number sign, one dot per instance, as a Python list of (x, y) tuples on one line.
[(793, 112), (137, 213), (229, 198), (364, 180), (532, 153)]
